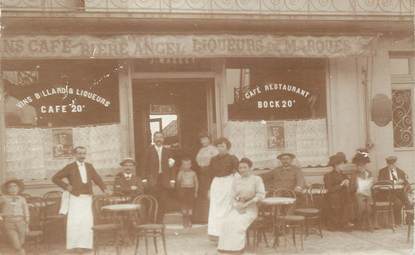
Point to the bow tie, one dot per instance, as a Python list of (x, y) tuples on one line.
[(128, 176)]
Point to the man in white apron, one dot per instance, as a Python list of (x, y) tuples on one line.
[(79, 176)]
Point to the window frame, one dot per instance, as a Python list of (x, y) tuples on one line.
[(405, 82)]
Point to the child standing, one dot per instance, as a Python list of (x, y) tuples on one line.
[(14, 213), (188, 187)]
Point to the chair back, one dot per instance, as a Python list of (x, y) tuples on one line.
[(314, 195), (25, 195), (36, 210), (287, 209), (382, 191), (102, 216), (283, 193), (149, 208), (54, 198)]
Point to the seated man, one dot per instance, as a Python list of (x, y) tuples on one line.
[(338, 195), (287, 176), (126, 182), (396, 175)]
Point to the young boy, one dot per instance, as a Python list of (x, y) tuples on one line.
[(14, 213), (188, 186)]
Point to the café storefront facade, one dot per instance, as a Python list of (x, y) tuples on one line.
[(312, 95)]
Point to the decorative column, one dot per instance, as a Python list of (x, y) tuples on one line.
[(2, 130), (126, 109), (221, 106)]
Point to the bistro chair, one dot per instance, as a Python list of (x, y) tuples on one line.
[(287, 220), (312, 212), (106, 232), (53, 220), (36, 232), (261, 225), (409, 212), (146, 226), (382, 192)]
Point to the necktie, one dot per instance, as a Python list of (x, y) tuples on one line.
[(394, 175)]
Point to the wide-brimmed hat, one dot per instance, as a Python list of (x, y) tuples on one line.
[(362, 156), (391, 159), (19, 183), (127, 160), (337, 158), (291, 155)]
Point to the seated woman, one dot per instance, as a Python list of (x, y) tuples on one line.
[(361, 184), (338, 195), (247, 190)]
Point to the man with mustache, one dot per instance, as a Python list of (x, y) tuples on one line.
[(127, 183), (159, 174), (79, 176)]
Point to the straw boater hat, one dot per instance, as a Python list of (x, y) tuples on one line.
[(127, 160), (391, 159), (291, 155), (6, 184), (337, 158)]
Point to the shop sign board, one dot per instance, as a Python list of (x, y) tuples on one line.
[(284, 99), (181, 46)]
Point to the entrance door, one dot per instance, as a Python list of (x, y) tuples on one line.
[(178, 108)]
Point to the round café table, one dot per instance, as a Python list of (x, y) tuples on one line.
[(276, 203), (123, 213)]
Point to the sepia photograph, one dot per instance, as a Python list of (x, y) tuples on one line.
[(207, 127)]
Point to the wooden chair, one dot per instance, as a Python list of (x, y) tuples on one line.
[(261, 225), (409, 212), (106, 232), (382, 192), (287, 220), (312, 211), (53, 220), (146, 226), (36, 225)]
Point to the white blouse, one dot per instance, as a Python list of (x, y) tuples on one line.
[(205, 154)]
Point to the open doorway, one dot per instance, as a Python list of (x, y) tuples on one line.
[(179, 108)]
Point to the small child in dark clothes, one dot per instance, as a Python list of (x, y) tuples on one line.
[(188, 188), (14, 213)]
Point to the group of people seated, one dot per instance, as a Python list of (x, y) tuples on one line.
[(230, 186), (350, 197)]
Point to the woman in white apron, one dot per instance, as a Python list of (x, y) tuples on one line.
[(222, 169)]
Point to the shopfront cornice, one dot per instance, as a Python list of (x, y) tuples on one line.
[(213, 7)]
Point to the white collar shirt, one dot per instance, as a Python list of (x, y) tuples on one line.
[(82, 171), (159, 150)]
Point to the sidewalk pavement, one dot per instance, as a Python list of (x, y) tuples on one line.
[(195, 242)]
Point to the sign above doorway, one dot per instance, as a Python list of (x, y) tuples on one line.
[(183, 46)]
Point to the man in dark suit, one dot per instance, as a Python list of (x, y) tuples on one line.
[(126, 182), (158, 171), (79, 176), (399, 197)]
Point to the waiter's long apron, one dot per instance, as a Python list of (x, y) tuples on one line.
[(80, 220), (220, 203)]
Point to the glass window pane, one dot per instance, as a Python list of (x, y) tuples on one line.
[(399, 65)]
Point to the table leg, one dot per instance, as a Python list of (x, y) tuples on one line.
[(276, 231)]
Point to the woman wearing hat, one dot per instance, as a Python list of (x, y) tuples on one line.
[(15, 214), (361, 184), (338, 194)]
